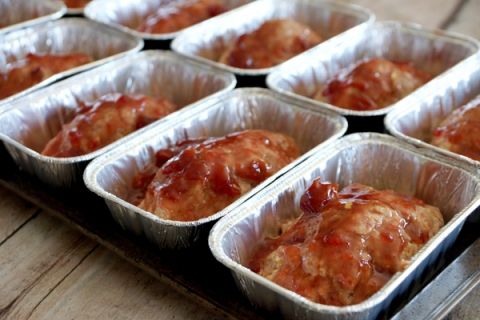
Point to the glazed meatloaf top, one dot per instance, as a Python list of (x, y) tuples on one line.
[(347, 244)]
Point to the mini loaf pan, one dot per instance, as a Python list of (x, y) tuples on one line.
[(31, 121), (380, 161), (430, 51), (111, 175), (415, 119), (128, 14), (206, 41), (17, 14), (73, 35)]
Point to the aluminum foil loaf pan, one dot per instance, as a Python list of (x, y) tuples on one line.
[(430, 51), (415, 119), (380, 161), (16, 14), (111, 175), (127, 15), (207, 41), (33, 120), (73, 35)]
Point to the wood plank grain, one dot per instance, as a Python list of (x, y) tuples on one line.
[(466, 21), (104, 286), (14, 212), (429, 13), (209, 283), (34, 260)]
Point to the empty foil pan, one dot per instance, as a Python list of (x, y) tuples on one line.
[(128, 14), (111, 175), (430, 51), (16, 14), (207, 41), (31, 121), (73, 35), (380, 161), (414, 119)]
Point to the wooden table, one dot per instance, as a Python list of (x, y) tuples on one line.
[(50, 271)]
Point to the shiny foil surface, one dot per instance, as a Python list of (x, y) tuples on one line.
[(414, 119), (208, 40), (380, 161), (111, 175), (17, 14), (73, 35), (431, 51), (128, 14), (31, 121)]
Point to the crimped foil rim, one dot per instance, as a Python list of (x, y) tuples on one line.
[(458, 38), (176, 43), (93, 169), (60, 12), (219, 230)]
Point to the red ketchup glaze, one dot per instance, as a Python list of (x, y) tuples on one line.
[(274, 42), (76, 4), (140, 183), (373, 84), (180, 14), (204, 176), (317, 196), (34, 68), (104, 121), (256, 170), (207, 162), (460, 132), (163, 156), (142, 179), (346, 245)]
